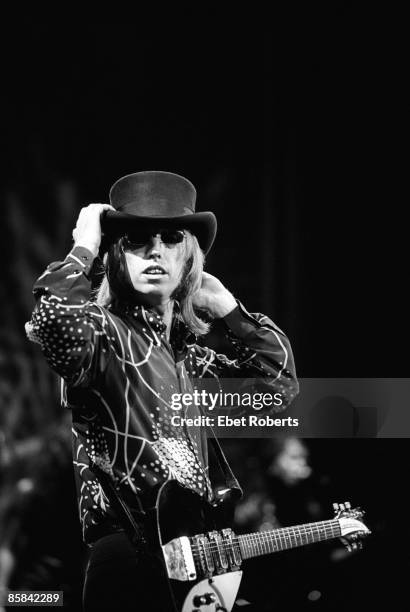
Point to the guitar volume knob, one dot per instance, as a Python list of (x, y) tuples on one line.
[(204, 600)]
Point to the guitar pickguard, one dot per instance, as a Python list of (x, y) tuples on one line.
[(207, 595)]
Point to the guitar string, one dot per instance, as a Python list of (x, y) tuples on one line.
[(324, 529), (269, 537), (262, 547), (208, 555), (300, 528), (257, 541), (248, 550)]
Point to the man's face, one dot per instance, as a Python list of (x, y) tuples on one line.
[(155, 267)]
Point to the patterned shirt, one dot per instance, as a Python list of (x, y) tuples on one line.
[(119, 373)]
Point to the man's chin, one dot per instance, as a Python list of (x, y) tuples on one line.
[(151, 296)]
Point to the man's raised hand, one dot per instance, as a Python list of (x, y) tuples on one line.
[(87, 232)]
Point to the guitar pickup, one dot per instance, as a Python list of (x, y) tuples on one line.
[(202, 552), (232, 549), (218, 552)]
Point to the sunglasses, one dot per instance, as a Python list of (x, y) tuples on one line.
[(136, 239)]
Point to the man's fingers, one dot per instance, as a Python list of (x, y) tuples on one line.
[(94, 207), (87, 231), (92, 211), (102, 206)]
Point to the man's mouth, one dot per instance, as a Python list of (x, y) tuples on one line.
[(154, 270)]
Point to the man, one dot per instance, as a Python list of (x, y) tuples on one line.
[(125, 351)]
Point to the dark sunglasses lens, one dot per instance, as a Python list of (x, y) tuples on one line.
[(135, 239), (172, 236)]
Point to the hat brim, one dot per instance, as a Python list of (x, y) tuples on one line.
[(202, 224)]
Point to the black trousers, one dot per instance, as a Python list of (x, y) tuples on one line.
[(117, 578)]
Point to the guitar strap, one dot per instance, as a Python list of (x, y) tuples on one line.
[(121, 509), (230, 479)]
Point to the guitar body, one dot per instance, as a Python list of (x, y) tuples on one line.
[(177, 512), (192, 558)]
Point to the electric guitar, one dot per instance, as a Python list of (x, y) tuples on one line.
[(201, 556)]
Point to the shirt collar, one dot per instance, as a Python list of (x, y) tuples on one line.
[(154, 326)]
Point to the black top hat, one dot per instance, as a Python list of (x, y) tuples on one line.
[(152, 198)]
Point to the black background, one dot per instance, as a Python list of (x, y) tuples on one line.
[(286, 123)]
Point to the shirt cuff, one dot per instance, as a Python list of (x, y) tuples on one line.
[(82, 256)]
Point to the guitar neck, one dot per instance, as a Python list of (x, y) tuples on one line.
[(266, 542)]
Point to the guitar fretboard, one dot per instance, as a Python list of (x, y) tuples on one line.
[(266, 542)]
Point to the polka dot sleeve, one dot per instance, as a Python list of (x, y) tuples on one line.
[(70, 329), (262, 351)]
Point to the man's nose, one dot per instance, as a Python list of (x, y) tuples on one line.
[(155, 246)]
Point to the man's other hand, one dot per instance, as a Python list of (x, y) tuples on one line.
[(214, 297)]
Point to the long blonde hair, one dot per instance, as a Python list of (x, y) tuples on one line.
[(190, 283)]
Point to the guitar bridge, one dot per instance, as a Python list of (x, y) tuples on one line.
[(179, 559)]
